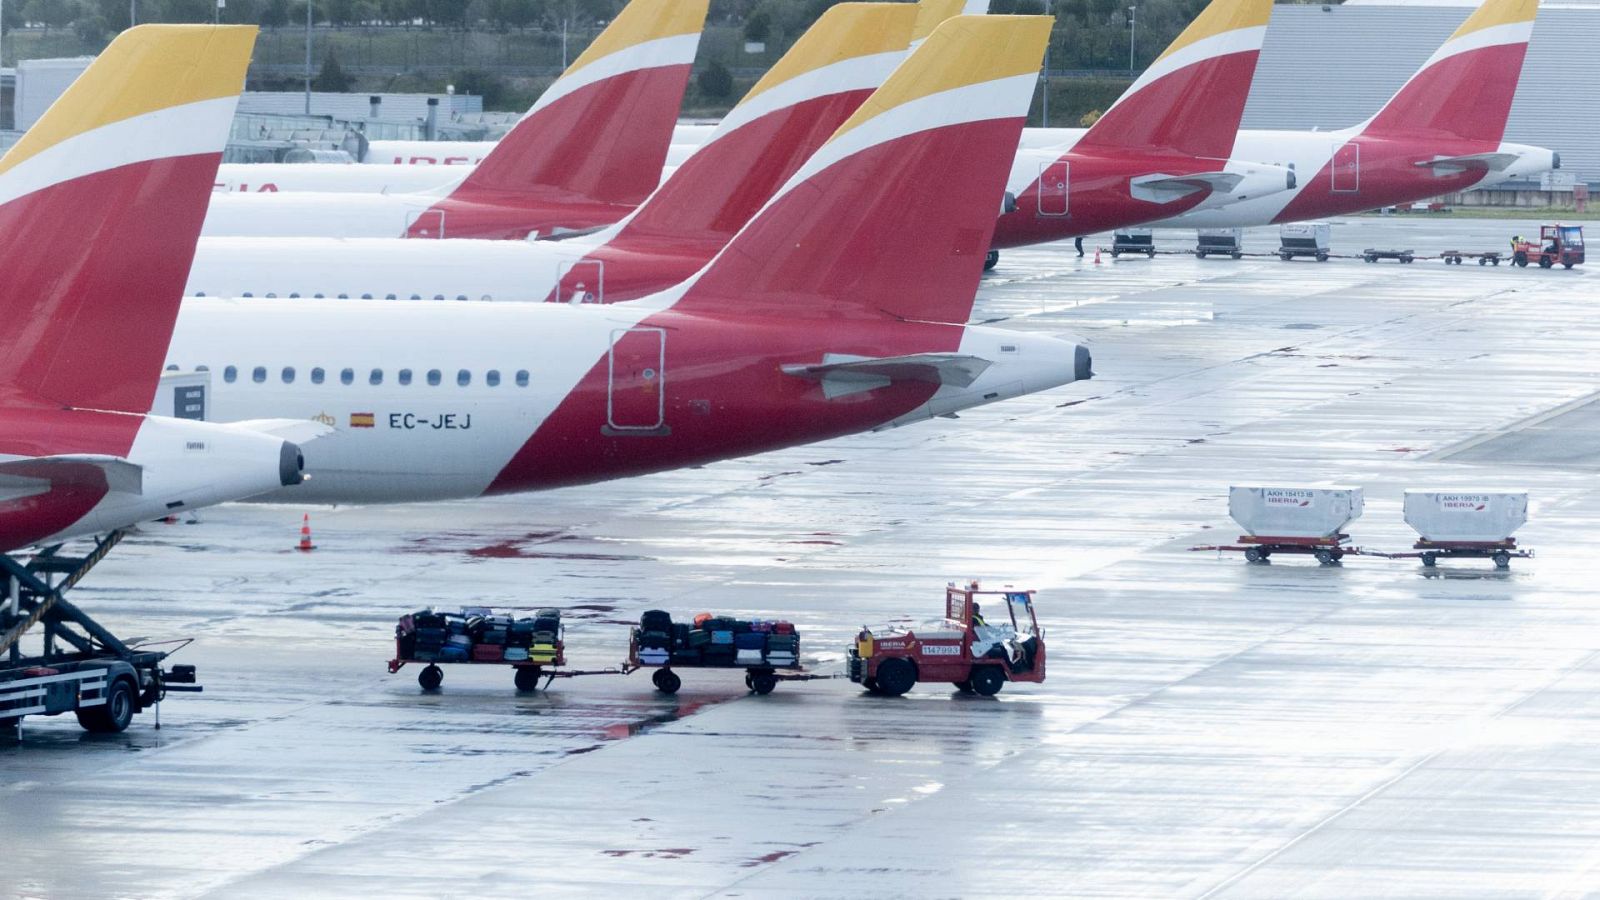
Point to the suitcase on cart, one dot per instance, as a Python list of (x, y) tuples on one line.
[(654, 656), (453, 653), (656, 620), (748, 657), (488, 652), (750, 640), (698, 638), (516, 654)]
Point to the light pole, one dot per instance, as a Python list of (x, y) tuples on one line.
[(308, 57), (1133, 31)]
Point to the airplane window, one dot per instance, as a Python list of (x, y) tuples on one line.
[(258, 374), (522, 378), (230, 374), (344, 296), (404, 377), (347, 376), (390, 297), (376, 377), (492, 378), (463, 378), (172, 368), (433, 377), (199, 293), (487, 297), (416, 296), (288, 374), (271, 296), (317, 375)]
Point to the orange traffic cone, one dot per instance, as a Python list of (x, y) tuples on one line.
[(1097, 256), (305, 534)]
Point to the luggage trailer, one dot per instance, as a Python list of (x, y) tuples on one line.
[(83, 668), (1430, 552), (760, 678)]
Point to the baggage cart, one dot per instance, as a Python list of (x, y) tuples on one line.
[(1454, 258), (1133, 240), (1219, 242), (1372, 255), (1304, 239), (1292, 520), (1459, 524), (759, 677), (546, 662)]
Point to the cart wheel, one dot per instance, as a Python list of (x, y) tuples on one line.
[(527, 678), (763, 682), (964, 687), (666, 681), (1237, 255), (1284, 256), (1369, 258), (1495, 263), (1198, 254), (1568, 265), (1326, 557), (1502, 559), (115, 715), (1322, 257), (1482, 261), (431, 677), (1151, 254), (991, 260), (895, 677), (1429, 560), (1254, 554), (987, 680)]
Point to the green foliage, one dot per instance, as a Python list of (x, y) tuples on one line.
[(52, 13), (715, 81), (332, 77), (758, 27), (491, 88)]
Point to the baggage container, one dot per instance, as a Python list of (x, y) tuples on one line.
[(1294, 512), (1133, 240), (1219, 242), (1304, 239), (1466, 516)]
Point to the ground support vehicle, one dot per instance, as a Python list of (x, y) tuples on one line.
[(1372, 255), (1312, 239), (963, 650), (1430, 552), (760, 678), (1259, 548), (1557, 244), (1454, 257), (82, 667), (1133, 240), (1219, 242), (535, 648)]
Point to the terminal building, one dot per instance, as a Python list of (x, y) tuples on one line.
[(1332, 66)]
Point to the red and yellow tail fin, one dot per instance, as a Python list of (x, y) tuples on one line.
[(1465, 88), (1190, 100), (602, 130), (101, 204), (858, 231)]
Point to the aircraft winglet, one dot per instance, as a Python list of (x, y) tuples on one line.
[(101, 204)]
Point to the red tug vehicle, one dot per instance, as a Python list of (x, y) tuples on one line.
[(1557, 244), (976, 657)]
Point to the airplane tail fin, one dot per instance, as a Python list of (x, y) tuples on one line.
[(784, 118), (932, 13), (1464, 90), (101, 204), (1190, 100), (857, 232), (602, 130)]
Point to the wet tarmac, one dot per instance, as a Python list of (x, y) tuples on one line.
[(1208, 728)]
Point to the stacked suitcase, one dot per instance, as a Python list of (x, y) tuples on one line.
[(715, 641), (479, 635)]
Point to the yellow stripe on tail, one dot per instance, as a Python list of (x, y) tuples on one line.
[(641, 21), (1221, 17), (845, 31), (989, 48), (146, 69), (1498, 12)]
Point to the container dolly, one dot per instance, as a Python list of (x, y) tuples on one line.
[(1454, 257), (1259, 548), (1372, 255), (1430, 552), (104, 680)]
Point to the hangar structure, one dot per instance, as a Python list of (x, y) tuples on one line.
[(1331, 66)]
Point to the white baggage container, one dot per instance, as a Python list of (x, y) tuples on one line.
[(1294, 512), (1467, 517)]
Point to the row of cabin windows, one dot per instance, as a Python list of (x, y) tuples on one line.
[(318, 375)]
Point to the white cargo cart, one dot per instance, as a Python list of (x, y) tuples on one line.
[(1219, 242), (1133, 240), (1304, 239), (1292, 520), (1465, 525)]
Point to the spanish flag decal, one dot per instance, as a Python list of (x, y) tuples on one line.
[(362, 420)]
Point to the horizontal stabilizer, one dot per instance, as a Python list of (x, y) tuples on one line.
[(296, 431), (1451, 165), (842, 375), (1167, 188), (29, 476)]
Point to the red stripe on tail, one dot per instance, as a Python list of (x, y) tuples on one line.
[(1194, 111), (1465, 96)]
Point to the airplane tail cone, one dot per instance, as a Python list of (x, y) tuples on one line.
[(305, 544)]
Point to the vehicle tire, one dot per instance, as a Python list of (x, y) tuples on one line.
[(430, 678), (1115, 254), (896, 676), (666, 681), (1199, 255), (1429, 560), (1254, 554), (1502, 559), (1370, 259), (1546, 262), (964, 687), (117, 712), (763, 683), (527, 678), (991, 260), (1567, 265), (1520, 259), (1482, 261), (1496, 263), (1284, 256), (987, 680), (1326, 557), (1151, 254), (1322, 257)]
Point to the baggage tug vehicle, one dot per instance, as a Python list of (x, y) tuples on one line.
[(976, 657)]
